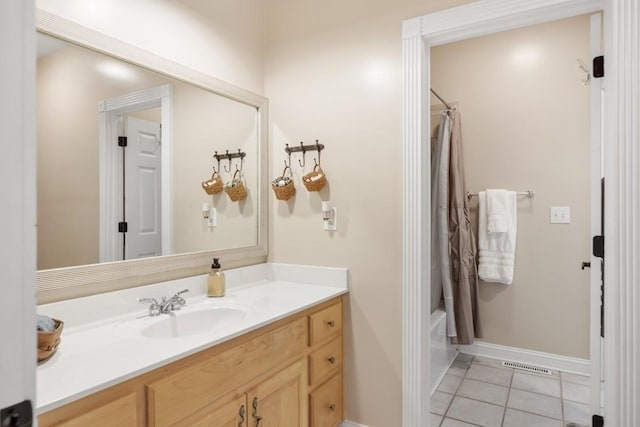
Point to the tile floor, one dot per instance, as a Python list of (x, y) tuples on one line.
[(478, 391)]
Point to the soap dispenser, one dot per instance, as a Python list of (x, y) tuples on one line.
[(215, 281)]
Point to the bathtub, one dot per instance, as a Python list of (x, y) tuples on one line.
[(442, 351)]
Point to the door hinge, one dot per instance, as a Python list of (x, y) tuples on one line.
[(122, 227), (19, 415), (122, 141), (597, 421), (598, 246), (598, 66)]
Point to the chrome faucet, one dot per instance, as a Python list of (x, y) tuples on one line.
[(165, 306)]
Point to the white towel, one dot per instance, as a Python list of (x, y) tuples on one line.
[(497, 250), (497, 211)]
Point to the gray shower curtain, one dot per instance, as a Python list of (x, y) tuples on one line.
[(440, 262), (462, 246)]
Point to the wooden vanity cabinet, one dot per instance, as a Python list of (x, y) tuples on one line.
[(286, 374)]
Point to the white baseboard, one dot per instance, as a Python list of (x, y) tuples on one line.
[(346, 423), (537, 358)]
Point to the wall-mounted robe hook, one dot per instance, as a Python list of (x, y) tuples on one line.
[(228, 158), (304, 151), (582, 66)]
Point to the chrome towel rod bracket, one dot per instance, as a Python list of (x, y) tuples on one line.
[(528, 193)]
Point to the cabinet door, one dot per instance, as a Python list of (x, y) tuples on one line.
[(279, 400), (225, 412)]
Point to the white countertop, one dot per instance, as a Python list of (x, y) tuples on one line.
[(102, 344)]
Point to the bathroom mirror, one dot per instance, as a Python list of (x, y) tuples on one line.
[(92, 89)]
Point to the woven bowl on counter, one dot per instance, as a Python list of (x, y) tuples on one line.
[(315, 180), (48, 342)]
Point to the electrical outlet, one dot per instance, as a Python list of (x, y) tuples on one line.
[(560, 215)]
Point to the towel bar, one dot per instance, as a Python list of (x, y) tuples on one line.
[(528, 193)]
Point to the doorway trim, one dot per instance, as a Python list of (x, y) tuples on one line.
[(109, 113), (473, 20)]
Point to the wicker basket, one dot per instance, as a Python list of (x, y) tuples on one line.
[(213, 185), (283, 187), (235, 188), (48, 342), (315, 180)]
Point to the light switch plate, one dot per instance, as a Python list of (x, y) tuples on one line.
[(560, 215)]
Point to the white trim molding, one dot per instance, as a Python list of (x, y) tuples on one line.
[(622, 211), (471, 20), (531, 357)]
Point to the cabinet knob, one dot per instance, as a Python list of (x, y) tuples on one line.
[(332, 360), (331, 323), (332, 407)]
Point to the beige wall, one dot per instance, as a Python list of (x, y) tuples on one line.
[(526, 124), (222, 38), (334, 72)]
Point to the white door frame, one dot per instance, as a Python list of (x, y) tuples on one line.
[(111, 169), (18, 194), (595, 228), (622, 167)]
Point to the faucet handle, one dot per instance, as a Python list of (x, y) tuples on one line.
[(179, 302), (154, 308)]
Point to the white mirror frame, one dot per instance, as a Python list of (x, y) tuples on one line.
[(72, 282), (622, 166)]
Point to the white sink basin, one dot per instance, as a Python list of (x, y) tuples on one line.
[(182, 324), (192, 320)]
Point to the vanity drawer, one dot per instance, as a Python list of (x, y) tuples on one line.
[(325, 323), (325, 359), (186, 391), (120, 412), (325, 404)]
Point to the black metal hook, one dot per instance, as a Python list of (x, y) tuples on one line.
[(304, 151), (228, 158), (241, 156)]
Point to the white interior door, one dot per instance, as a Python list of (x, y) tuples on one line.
[(17, 218), (597, 172), (142, 186)]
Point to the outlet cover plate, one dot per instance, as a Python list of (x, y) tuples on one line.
[(560, 215)]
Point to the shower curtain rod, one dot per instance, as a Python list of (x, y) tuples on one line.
[(441, 100)]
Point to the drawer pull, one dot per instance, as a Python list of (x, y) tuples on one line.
[(332, 407), (241, 414), (331, 323), (332, 360), (255, 412)]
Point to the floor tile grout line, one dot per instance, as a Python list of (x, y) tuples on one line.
[(506, 402)]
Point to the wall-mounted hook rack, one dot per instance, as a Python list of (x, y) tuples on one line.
[(228, 156), (304, 148)]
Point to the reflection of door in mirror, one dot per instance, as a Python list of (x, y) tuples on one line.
[(142, 189), (134, 214)]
